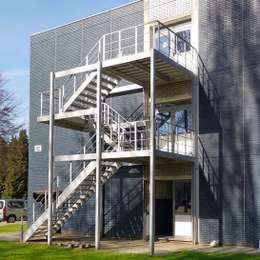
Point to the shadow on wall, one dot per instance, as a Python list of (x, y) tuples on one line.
[(123, 207), (210, 176), (230, 41)]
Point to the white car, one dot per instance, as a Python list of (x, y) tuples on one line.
[(12, 210)]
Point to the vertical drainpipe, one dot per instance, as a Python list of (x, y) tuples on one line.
[(98, 154), (195, 117), (152, 149), (51, 158)]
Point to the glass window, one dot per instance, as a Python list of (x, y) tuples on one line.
[(183, 120), (183, 197), (164, 45), (182, 45), (16, 204), (1, 204)]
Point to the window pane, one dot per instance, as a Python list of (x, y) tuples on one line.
[(182, 45), (16, 204), (183, 198)]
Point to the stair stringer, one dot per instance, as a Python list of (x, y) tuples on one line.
[(64, 196), (72, 210), (82, 87)]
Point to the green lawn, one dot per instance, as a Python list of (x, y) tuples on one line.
[(11, 250), (8, 228)]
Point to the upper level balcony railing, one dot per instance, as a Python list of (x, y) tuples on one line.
[(125, 43), (141, 38), (124, 136)]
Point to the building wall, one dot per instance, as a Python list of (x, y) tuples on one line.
[(122, 204), (230, 48), (58, 49)]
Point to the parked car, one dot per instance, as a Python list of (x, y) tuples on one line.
[(12, 210)]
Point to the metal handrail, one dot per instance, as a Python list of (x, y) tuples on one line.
[(131, 116)]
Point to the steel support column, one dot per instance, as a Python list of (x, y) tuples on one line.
[(51, 158), (152, 155), (195, 170), (195, 119), (98, 155)]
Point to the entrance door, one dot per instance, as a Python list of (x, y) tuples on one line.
[(163, 208), (183, 219)]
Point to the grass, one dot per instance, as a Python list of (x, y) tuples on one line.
[(11, 250), (9, 228)]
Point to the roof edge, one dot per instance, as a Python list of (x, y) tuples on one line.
[(81, 19)]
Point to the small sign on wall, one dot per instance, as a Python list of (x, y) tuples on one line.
[(38, 148)]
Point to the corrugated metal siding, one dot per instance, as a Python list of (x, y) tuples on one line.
[(165, 9), (123, 204), (229, 45), (59, 49), (126, 104)]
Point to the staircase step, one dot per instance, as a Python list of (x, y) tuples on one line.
[(104, 92)]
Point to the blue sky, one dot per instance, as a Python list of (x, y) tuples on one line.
[(18, 20)]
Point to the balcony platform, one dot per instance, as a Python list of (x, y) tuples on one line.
[(74, 120), (136, 157), (136, 69)]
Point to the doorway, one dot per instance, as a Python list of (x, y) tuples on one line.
[(163, 208)]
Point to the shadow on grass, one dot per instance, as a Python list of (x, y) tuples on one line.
[(10, 250)]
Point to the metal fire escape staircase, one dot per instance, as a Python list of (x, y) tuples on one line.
[(82, 187), (79, 93)]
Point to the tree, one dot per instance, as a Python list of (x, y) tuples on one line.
[(3, 163), (17, 167), (8, 110)]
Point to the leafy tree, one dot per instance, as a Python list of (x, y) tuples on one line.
[(17, 167), (8, 110)]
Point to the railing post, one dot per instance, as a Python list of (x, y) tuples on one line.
[(158, 136), (168, 138), (33, 213), (177, 139), (59, 100), (74, 83), (62, 98), (98, 153), (71, 177), (135, 134), (185, 143), (57, 188), (84, 152), (119, 44), (104, 48), (41, 104), (136, 39), (169, 43), (51, 158), (45, 199), (159, 35), (108, 115), (185, 50), (118, 133), (152, 150)]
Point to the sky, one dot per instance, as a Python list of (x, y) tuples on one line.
[(21, 18)]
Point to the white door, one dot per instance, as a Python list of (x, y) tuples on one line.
[(182, 215)]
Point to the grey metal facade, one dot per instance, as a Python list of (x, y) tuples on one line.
[(62, 48), (230, 44)]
